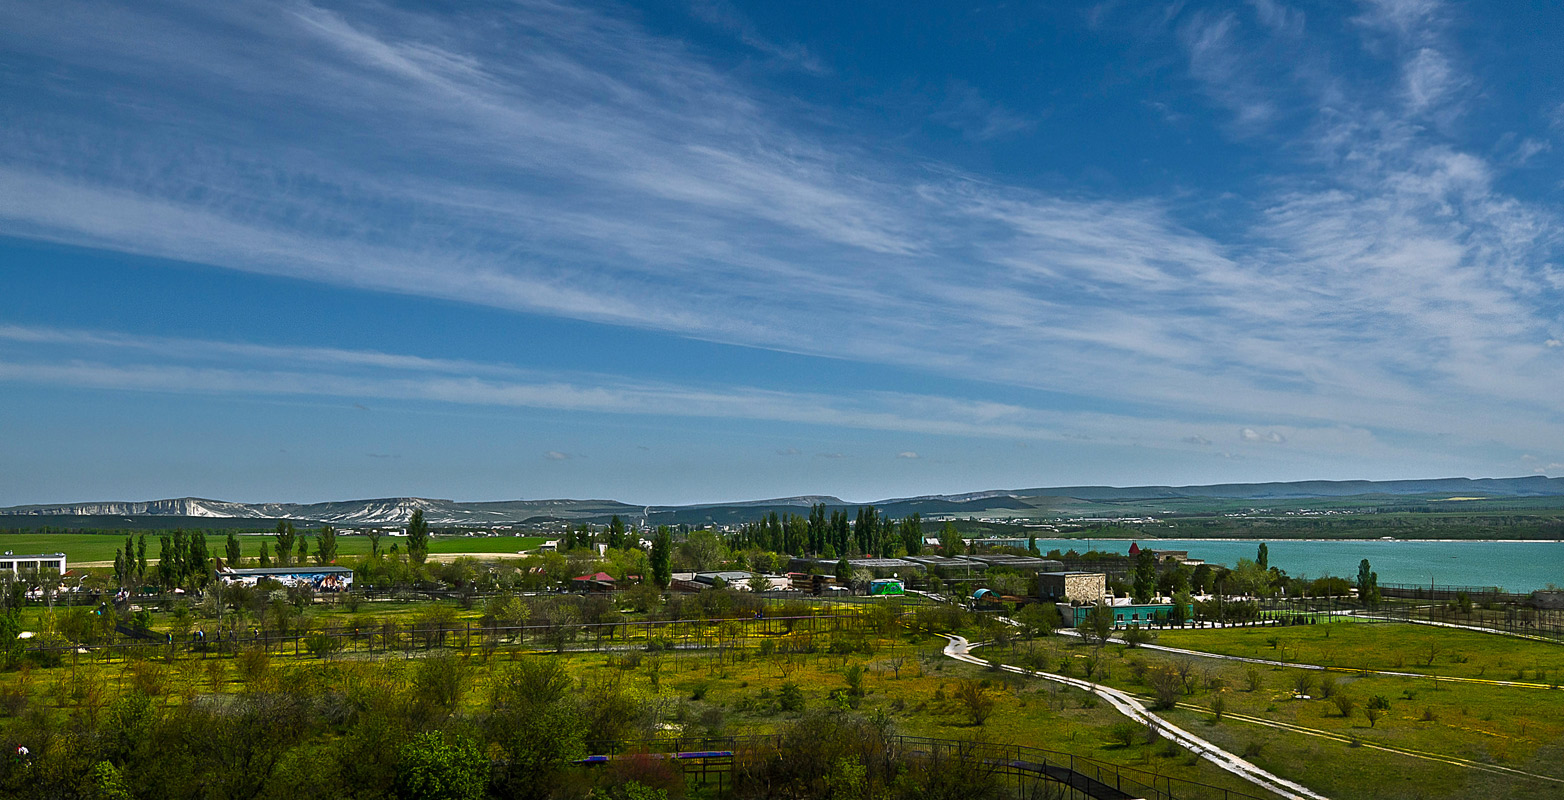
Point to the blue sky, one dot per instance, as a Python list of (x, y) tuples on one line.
[(691, 251)]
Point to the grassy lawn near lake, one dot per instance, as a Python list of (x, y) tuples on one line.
[(1514, 727), (1422, 649)]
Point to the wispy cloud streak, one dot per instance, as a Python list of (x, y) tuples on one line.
[(565, 161)]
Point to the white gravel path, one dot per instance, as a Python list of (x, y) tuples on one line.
[(957, 649)]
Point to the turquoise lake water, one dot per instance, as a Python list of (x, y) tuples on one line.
[(1515, 566)]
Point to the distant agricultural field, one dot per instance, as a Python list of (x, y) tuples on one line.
[(80, 547)]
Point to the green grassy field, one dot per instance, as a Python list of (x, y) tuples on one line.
[(1518, 728), (1401, 648), (79, 547)]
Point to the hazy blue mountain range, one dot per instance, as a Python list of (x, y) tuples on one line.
[(1038, 502)]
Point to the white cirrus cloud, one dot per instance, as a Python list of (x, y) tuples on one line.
[(569, 161), (1268, 437)]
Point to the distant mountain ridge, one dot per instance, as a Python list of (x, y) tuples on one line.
[(396, 510)]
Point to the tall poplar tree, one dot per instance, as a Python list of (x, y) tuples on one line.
[(233, 552), (285, 539), (326, 545), (912, 534), (198, 563), (165, 562), (181, 555), (1145, 576), (418, 536), (661, 558)]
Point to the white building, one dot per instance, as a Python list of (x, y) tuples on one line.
[(26, 566)]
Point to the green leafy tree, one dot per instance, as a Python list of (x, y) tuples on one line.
[(165, 563), (1263, 556), (1145, 577), (662, 555), (266, 555), (232, 551), (326, 545), (1368, 583), (303, 555), (433, 767), (1247, 578), (616, 532), (535, 717), (108, 783), (141, 558), (702, 551), (198, 562), (1183, 607), (418, 537), (1098, 625), (11, 644), (844, 571), (950, 542), (912, 534), (374, 542), (180, 555), (1203, 579), (285, 540), (1038, 619)]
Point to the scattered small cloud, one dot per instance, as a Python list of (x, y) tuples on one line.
[(789, 451), (382, 455), (908, 454), (1197, 439), (976, 117), (1528, 149), (1268, 437), (830, 455), (555, 455), (1554, 343), (1168, 114), (361, 406), (727, 17)]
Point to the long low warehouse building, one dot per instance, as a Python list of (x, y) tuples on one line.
[(321, 579)]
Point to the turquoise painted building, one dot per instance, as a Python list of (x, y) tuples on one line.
[(1123, 616)]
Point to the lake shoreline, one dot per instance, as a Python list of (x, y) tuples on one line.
[(1270, 539)]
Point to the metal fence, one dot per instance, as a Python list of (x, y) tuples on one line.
[(711, 760), (389, 638)]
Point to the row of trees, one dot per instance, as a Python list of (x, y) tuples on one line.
[(183, 561), (869, 533)]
